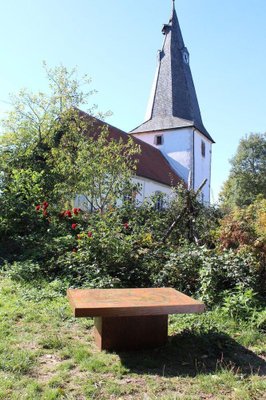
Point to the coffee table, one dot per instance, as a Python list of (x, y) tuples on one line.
[(131, 319)]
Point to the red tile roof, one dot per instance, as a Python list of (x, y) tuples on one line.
[(151, 162)]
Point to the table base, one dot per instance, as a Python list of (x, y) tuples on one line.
[(130, 333)]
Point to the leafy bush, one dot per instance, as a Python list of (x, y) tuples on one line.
[(239, 303), (24, 270), (244, 230), (108, 254), (245, 226), (131, 246), (224, 271), (181, 268)]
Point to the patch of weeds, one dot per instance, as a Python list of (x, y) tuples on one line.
[(52, 342), (214, 383), (44, 291), (107, 363), (58, 381), (31, 388), (116, 388), (16, 360), (250, 336), (17, 386), (7, 382), (99, 362), (87, 323), (53, 394), (66, 366), (91, 388), (61, 310), (257, 385), (79, 353), (6, 329)]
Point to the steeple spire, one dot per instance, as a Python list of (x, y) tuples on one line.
[(173, 102)]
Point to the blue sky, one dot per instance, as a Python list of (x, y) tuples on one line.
[(116, 41)]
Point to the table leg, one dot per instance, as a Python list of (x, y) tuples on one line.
[(130, 333)]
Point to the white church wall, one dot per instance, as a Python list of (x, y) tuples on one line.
[(202, 162), (176, 147), (148, 188)]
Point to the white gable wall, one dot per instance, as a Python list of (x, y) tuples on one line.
[(183, 150), (176, 148)]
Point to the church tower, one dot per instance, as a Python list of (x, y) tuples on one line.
[(173, 121)]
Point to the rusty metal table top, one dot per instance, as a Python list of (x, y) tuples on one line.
[(131, 302)]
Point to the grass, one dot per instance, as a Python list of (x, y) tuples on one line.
[(47, 354)]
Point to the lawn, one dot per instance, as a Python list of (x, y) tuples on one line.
[(47, 354)]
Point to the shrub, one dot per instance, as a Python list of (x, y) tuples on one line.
[(224, 271), (181, 268), (239, 303), (244, 229), (24, 270)]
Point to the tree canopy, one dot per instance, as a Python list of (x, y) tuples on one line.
[(247, 177), (49, 153)]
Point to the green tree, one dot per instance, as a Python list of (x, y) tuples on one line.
[(247, 177), (51, 151), (91, 163)]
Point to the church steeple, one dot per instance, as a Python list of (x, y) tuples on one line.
[(173, 103)]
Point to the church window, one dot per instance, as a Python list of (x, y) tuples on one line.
[(159, 140), (203, 148)]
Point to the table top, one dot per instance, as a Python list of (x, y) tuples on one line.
[(131, 302)]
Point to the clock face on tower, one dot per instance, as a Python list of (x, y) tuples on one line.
[(185, 57)]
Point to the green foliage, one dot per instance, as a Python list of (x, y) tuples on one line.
[(105, 253), (49, 152), (123, 247), (247, 177), (92, 164), (181, 268), (197, 222), (24, 270), (225, 271), (239, 303), (244, 230), (245, 226)]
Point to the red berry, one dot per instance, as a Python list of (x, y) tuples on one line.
[(45, 205)]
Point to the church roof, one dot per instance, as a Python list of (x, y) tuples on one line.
[(173, 103), (151, 163)]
